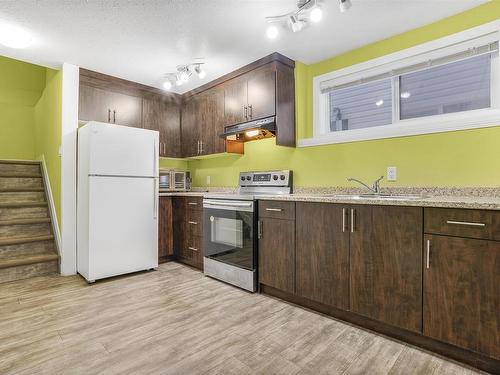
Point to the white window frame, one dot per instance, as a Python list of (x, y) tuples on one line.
[(448, 45)]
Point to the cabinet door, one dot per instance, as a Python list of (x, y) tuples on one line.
[(216, 109), (462, 293), (170, 129), (386, 264), (127, 109), (165, 230), (323, 253), (189, 129), (179, 224), (235, 100), (205, 124), (277, 254), (151, 114), (262, 93), (94, 104)]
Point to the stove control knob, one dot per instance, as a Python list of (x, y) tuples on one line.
[(248, 178), (282, 177), (242, 178), (275, 177)]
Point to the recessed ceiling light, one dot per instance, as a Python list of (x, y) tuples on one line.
[(316, 14), (378, 103), (405, 94), (272, 32), (167, 85), (344, 5), (14, 37)]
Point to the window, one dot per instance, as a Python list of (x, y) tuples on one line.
[(449, 84)]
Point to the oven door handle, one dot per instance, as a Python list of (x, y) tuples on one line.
[(229, 204)]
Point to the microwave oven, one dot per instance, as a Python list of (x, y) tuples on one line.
[(172, 180)]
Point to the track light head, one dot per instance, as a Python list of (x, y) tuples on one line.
[(295, 24), (344, 5)]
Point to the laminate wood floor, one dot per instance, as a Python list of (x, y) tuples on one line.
[(176, 321)]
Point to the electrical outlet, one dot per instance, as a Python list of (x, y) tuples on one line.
[(392, 173), (208, 180)]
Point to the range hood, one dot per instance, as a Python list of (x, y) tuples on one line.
[(249, 131)]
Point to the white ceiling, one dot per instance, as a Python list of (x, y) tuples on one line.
[(141, 40)]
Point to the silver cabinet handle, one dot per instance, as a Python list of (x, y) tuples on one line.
[(201, 147), (353, 219), (245, 111), (427, 261), (193, 203), (192, 248), (343, 220), (114, 116), (259, 229), (109, 115), (466, 223), (274, 209), (193, 222), (250, 111)]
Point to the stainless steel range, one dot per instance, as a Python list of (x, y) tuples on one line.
[(230, 223)]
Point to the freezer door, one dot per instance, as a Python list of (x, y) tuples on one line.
[(123, 151), (123, 225)]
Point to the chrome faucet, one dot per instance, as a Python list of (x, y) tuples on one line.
[(375, 188)]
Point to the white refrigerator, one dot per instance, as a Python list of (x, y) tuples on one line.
[(117, 200)]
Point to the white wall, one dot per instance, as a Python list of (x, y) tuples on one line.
[(68, 165)]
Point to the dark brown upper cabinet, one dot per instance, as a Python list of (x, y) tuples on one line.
[(235, 101), (163, 114)]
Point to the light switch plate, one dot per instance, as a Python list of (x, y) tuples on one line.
[(392, 174)]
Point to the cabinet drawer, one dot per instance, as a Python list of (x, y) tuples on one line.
[(277, 209), (194, 203), (462, 223), (194, 223), (193, 246)]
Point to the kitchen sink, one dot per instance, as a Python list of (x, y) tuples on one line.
[(376, 196)]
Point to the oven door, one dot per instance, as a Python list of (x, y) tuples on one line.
[(228, 232)]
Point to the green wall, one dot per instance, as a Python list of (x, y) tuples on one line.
[(463, 158), (48, 132), (21, 85)]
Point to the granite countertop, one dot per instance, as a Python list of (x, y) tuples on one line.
[(484, 203), (472, 198)]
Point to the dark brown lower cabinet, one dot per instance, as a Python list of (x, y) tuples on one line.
[(322, 267), (165, 230), (277, 253), (187, 237), (386, 264), (462, 292)]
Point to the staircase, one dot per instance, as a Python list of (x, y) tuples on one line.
[(27, 246)]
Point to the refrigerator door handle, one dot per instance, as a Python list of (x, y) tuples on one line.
[(155, 167), (155, 200)]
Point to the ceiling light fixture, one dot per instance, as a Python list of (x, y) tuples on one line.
[(178, 81), (307, 11), (272, 32), (167, 85), (316, 14), (13, 36), (201, 73), (344, 5)]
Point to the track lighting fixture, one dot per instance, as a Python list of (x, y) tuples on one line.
[(307, 11), (183, 74), (344, 5)]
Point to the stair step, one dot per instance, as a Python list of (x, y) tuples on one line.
[(19, 240), (25, 230), (26, 271), (22, 204), (21, 189), (12, 167), (34, 220), (21, 174), (28, 248), (9, 213), (16, 182), (22, 260), (22, 196)]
